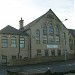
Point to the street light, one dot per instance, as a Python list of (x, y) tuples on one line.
[(63, 42)]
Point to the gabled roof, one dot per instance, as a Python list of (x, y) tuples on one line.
[(72, 31), (11, 30), (38, 19), (32, 23)]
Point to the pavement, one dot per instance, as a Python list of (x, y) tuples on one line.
[(60, 66)]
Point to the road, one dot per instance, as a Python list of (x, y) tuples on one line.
[(53, 66)]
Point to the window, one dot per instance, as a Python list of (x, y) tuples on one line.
[(46, 53), (38, 52), (44, 39), (51, 35), (22, 42), (71, 43), (45, 35), (64, 36), (59, 52), (13, 42), (57, 30), (53, 52), (57, 40), (13, 57), (4, 59), (51, 30), (51, 40), (37, 36), (45, 30), (4, 42)]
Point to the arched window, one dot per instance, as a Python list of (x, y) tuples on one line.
[(45, 35), (71, 43), (4, 41), (13, 42), (45, 30), (51, 30), (22, 42), (37, 36), (57, 38), (57, 30), (51, 35)]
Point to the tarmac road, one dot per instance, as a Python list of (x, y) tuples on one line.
[(60, 66)]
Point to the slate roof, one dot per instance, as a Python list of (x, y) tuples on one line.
[(12, 31)]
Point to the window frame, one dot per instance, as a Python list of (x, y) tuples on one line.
[(44, 39), (13, 42), (59, 52), (51, 30), (38, 52), (45, 30), (4, 41), (52, 52), (71, 44), (46, 52), (37, 36), (57, 30), (22, 42), (51, 40)]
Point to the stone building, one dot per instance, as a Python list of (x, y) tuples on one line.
[(13, 45), (46, 38)]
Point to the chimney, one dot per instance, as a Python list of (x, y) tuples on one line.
[(21, 24)]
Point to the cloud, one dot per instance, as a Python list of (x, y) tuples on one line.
[(12, 10)]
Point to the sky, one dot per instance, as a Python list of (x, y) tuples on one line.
[(11, 11)]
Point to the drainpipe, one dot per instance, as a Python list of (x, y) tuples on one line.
[(19, 48), (30, 43)]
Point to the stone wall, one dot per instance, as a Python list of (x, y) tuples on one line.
[(37, 60)]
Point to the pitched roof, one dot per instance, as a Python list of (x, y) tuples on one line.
[(38, 19), (72, 31), (32, 23), (35, 21), (11, 30)]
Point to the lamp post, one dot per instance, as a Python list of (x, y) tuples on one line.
[(63, 42)]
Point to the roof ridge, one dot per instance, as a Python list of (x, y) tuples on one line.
[(37, 19)]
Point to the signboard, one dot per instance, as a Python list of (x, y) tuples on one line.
[(52, 46)]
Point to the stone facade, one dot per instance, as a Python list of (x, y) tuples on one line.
[(45, 38), (47, 20)]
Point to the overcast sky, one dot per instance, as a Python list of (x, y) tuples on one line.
[(11, 11)]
